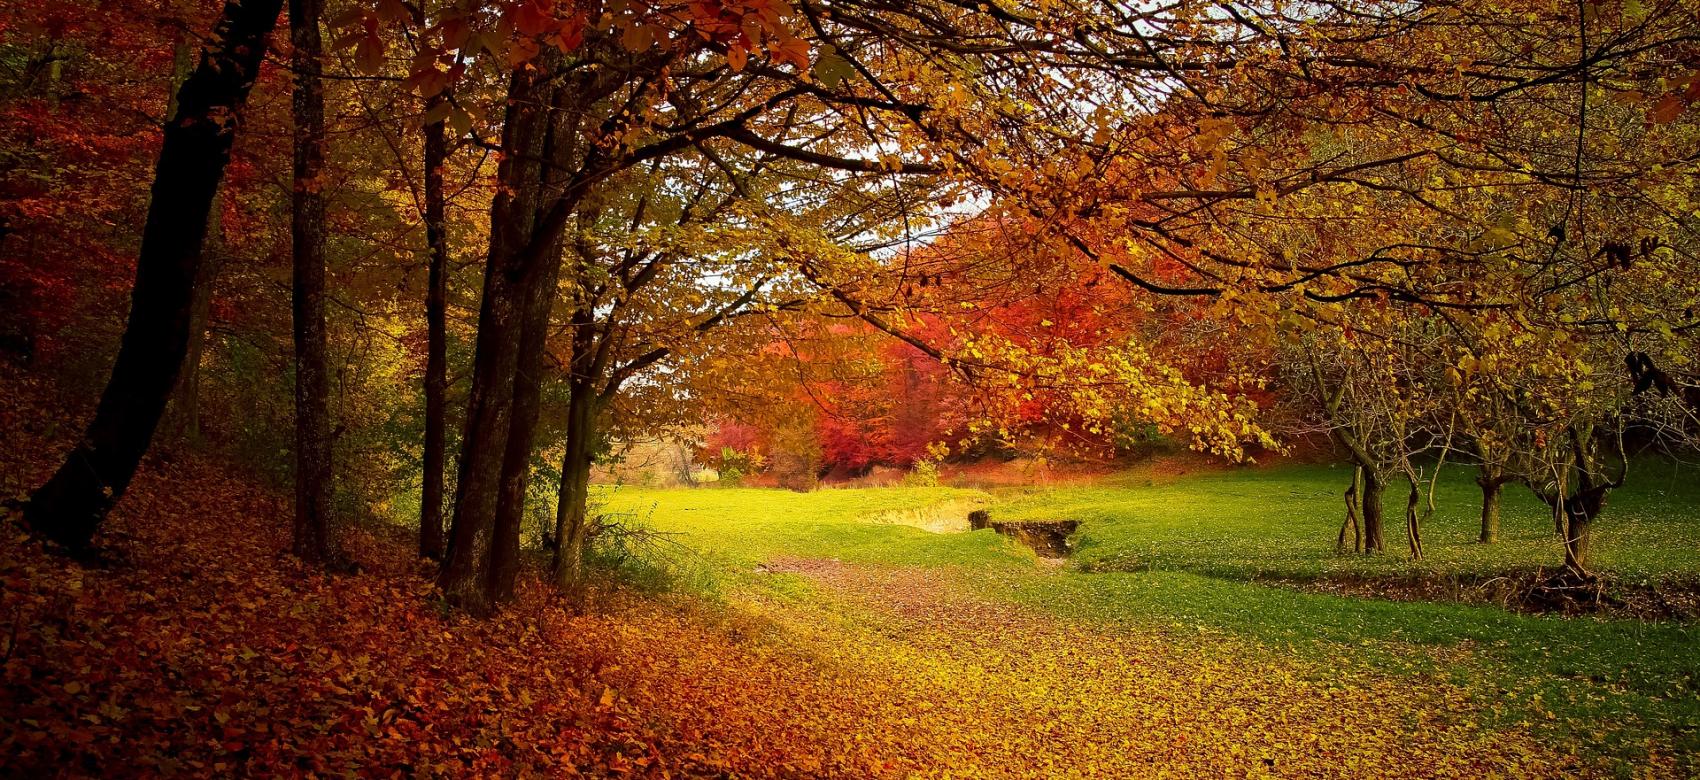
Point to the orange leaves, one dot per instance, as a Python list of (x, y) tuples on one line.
[(791, 50), (638, 37), (522, 50), (570, 34), (746, 27), (369, 53)]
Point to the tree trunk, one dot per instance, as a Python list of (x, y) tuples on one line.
[(571, 515), (518, 252), (307, 233), (1351, 520), (1575, 516), (436, 344), (539, 288), (70, 506), (1373, 485), (1577, 537), (490, 396), (182, 419), (522, 433), (1413, 520), (1492, 486)]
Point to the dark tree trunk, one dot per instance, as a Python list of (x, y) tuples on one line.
[(69, 508), (519, 255), (182, 420), (1493, 485), (1574, 510), (571, 512), (307, 232), (183, 413), (1577, 538), (436, 345), (1373, 486), (538, 290), (490, 396), (522, 432), (1575, 516)]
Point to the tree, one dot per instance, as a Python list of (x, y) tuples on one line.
[(674, 258), (1357, 428), (436, 304), (70, 507), (519, 264), (307, 241)]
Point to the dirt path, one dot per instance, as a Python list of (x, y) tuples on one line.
[(1001, 690)]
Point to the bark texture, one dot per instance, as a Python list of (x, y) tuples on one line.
[(527, 218), (436, 345), (307, 234), (1374, 484), (1493, 486)]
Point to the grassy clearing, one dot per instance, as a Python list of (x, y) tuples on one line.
[(1282, 523), (1183, 557)]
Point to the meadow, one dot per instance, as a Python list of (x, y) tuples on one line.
[(1241, 559)]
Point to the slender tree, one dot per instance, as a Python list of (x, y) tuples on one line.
[(436, 330), (307, 234), (71, 505)]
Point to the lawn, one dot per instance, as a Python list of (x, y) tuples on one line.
[(1189, 558)]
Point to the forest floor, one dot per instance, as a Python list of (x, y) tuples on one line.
[(789, 636)]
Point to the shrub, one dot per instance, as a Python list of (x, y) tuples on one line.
[(925, 473)]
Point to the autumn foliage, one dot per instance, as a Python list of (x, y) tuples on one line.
[(199, 647), (786, 242)]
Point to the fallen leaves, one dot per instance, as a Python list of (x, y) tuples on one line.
[(205, 650)]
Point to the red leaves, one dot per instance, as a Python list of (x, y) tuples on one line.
[(211, 652), (1666, 110), (534, 17)]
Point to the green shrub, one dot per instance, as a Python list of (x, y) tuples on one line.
[(924, 473)]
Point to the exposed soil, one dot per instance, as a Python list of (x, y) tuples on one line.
[(1048, 538)]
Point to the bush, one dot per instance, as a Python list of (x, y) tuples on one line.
[(624, 549), (736, 465), (924, 473)]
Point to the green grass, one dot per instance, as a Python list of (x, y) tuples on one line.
[(1184, 556), (1282, 523), (741, 527)]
